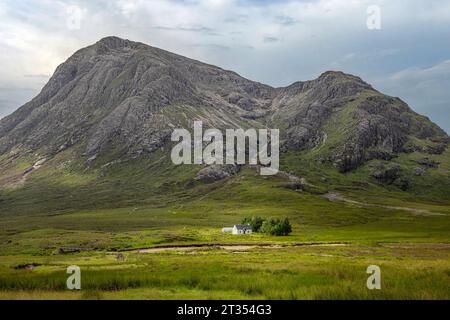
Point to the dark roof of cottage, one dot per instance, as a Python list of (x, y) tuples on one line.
[(243, 226)]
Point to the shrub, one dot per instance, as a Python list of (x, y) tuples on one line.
[(254, 222), (272, 226)]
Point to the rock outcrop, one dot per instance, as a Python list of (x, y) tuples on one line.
[(216, 172)]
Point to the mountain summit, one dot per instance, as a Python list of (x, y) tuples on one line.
[(127, 96)]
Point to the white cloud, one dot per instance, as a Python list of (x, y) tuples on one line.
[(276, 42), (128, 7), (424, 88), (440, 71)]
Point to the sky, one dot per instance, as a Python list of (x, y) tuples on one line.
[(401, 47)]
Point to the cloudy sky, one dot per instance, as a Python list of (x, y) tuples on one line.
[(276, 42)]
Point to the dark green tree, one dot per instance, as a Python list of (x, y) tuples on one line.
[(276, 227), (286, 227), (254, 222)]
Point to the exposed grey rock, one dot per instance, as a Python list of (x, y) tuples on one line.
[(295, 182), (66, 250), (403, 183), (216, 172), (411, 149), (437, 149), (383, 125), (377, 128), (419, 171), (115, 92), (387, 174), (428, 163)]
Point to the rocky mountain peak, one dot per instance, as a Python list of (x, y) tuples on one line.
[(339, 76), (128, 96), (115, 43)]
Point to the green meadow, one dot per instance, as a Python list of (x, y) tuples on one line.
[(320, 272), (108, 213)]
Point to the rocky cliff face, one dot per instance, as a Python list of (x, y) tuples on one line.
[(348, 121), (129, 96)]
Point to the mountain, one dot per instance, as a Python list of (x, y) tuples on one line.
[(118, 101), (132, 94)]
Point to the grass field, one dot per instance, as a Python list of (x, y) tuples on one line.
[(418, 271), (109, 215)]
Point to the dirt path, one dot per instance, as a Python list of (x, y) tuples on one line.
[(238, 247), (337, 197)]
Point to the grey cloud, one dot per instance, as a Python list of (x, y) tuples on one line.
[(37, 76), (239, 18), (199, 29), (13, 97), (425, 89), (269, 39), (286, 20), (211, 45)]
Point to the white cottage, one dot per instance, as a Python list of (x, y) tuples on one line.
[(239, 229), (242, 229)]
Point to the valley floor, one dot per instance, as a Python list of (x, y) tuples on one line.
[(408, 271), (176, 250)]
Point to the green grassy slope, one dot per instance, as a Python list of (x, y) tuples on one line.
[(146, 203), (143, 203)]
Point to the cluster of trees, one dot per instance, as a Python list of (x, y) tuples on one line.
[(272, 226)]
